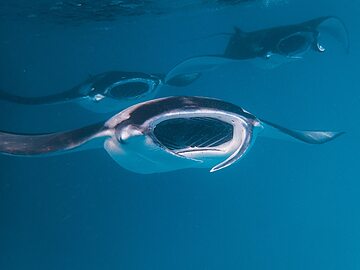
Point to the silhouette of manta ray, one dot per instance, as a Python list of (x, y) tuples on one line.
[(108, 91), (290, 40), (166, 134), (275, 45)]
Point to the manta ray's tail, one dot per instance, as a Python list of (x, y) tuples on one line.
[(312, 137), (51, 143), (43, 100)]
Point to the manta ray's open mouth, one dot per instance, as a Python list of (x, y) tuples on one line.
[(131, 88), (296, 43), (194, 132)]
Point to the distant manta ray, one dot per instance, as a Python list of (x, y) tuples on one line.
[(109, 91), (166, 134), (270, 46)]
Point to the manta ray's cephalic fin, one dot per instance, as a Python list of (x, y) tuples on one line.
[(318, 22)]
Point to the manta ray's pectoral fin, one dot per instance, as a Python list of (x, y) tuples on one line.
[(51, 143), (63, 97), (308, 136)]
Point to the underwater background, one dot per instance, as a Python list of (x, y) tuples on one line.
[(284, 206)]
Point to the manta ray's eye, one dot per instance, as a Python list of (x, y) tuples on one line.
[(295, 44), (131, 88), (194, 132)]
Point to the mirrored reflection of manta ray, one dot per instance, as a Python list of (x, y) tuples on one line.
[(272, 46), (166, 134), (71, 12), (108, 91)]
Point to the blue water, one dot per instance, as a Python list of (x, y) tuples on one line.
[(284, 206)]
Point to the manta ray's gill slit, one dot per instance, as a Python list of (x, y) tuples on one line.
[(213, 141), (201, 132), (218, 141), (221, 135), (168, 143), (194, 132), (197, 139)]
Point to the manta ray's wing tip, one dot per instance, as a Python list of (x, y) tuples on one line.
[(320, 137), (335, 134)]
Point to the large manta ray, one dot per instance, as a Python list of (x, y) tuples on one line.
[(109, 91), (166, 134), (270, 46)]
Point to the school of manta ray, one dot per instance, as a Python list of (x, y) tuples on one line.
[(152, 135)]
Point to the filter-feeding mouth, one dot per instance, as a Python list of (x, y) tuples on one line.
[(196, 132), (296, 44), (131, 88)]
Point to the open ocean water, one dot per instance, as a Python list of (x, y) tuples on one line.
[(285, 206)]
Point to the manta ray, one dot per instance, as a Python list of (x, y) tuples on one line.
[(269, 47), (165, 134), (109, 91), (290, 41)]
